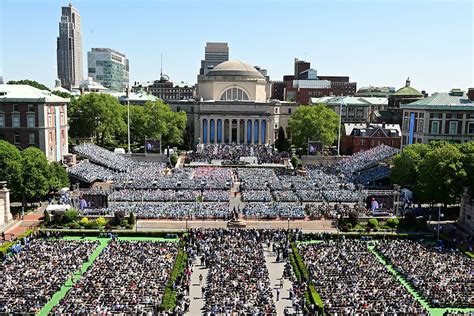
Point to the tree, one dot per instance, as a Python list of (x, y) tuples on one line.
[(317, 123), (58, 177), (11, 168), (63, 94), (70, 215), (406, 164), (164, 123), (35, 175), (282, 144), (32, 83), (441, 175), (467, 149), (99, 116)]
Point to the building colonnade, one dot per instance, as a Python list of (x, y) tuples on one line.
[(218, 130)]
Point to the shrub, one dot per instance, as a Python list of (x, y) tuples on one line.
[(118, 218), (100, 222), (84, 221), (169, 296), (74, 225), (354, 217), (173, 160), (70, 216), (131, 219), (47, 217), (393, 222), (294, 161), (58, 217), (373, 223)]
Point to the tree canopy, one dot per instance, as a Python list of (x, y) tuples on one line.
[(436, 172), (317, 123), (98, 116), (32, 83), (28, 174)]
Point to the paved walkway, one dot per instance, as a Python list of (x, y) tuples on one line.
[(275, 271), (195, 297)]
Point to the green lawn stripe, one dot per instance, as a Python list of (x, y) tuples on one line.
[(77, 275), (413, 292)]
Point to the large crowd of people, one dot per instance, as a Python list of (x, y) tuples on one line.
[(273, 210), (30, 277), (238, 282), (234, 152), (444, 276), (351, 280), (365, 159), (167, 210), (104, 157), (129, 277)]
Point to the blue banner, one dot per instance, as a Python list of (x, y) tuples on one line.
[(411, 129)]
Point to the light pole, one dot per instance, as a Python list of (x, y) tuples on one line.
[(439, 217), (288, 224), (128, 119)]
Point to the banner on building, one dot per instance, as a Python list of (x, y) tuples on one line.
[(411, 128)]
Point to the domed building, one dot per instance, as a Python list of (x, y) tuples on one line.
[(233, 106), (404, 95), (233, 80)]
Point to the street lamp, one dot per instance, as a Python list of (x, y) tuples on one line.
[(288, 224), (439, 218)]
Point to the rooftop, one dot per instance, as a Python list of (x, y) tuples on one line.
[(27, 93), (453, 100), (235, 68)]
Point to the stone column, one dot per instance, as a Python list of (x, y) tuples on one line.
[(201, 130), (230, 131), (246, 131), (5, 196), (238, 131), (260, 140), (208, 130), (215, 130)]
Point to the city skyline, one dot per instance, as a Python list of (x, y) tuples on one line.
[(378, 45)]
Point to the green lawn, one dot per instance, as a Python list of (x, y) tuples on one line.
[(77, 274)]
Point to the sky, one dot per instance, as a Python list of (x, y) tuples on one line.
[(378, 42)]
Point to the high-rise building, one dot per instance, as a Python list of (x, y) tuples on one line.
[(109, 68), (69, 48), (215, 53)]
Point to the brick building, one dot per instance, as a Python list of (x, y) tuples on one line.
[(441, 116), (166, 90), (33, 117), (306, 83), (362, 137)]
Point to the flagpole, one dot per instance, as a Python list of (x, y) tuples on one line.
[(128, 119), (340, 123)]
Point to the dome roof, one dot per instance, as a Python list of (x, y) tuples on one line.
[(236, 68), (407, 90)]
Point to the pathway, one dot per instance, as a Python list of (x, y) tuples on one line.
[(58, 296), (196, 301), (413, 292), (275, 272)]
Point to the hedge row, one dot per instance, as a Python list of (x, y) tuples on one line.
[(314, 236), (302, 272), (4, 248), (169, 296), (123, 233)]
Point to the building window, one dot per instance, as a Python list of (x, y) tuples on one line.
[(469, 131), (453, 127), (31, 108), (362, 142), (62, 118), (31, 121), (392, 143), (15, 108), (234, 94), (31, 138), (16, 138), (289, 110), (16, 120), (2, 120), (434, 127)]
